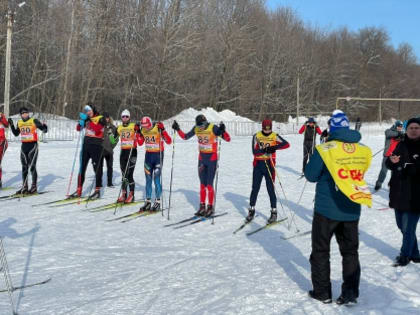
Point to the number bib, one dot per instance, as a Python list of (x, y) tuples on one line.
[(265, 141), (90, 132), (206, 139), (127, 136), (27, 130), (152, 139)]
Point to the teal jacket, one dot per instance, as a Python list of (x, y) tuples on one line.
[(329, 201)]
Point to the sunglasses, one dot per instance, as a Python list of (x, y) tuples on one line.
[(125, 116), (24, 113)]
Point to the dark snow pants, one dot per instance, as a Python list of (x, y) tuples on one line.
[(263, 169), (347, 236)]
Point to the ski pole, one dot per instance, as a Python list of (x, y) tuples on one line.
[(275, 190), (292, 214), (6, 274), (124, 178), (378, 152), (34, 157), (172, 173), (219, 145), (74, 163)]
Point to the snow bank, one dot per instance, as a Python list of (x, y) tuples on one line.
[(211, 115)]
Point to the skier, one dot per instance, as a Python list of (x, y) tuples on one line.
[(153, 135), (264, 146), (3, 141), (393, 135), (338, 167), (309, 128), (26, 128), (325, 133), (358, 124), (207, 134), (94, 125), (108, 154), (128, 133)]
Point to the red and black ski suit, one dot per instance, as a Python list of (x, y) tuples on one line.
[(92, 149), (309, 141), (207, 159)]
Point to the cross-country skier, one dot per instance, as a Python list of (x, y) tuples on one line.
[(26, 128), (94, 125), (309, 128), (265, 143), (393, 136), (127, 132), (3, 141), (153, 135), (207, 134), (108, 154)]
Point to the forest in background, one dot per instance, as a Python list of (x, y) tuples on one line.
[(158, 57)]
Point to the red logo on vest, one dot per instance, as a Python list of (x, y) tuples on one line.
[(353, 174)]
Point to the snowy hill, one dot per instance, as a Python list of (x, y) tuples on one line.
[(140, 267)]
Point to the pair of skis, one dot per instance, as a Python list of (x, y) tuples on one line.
[(266, 226), (193, 220), (134, 215), (17, 196)]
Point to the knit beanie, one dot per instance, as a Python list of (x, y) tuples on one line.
[(338, 120)]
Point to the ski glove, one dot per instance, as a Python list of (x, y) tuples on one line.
[(137, 127), (175, 126), (160, 125), (222, 127), (45, 128), (10, 121), (270, 150)]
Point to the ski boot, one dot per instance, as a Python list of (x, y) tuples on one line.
[(209, 211), (122, 197), (147, 206), (156, 205), (202, 210), (251, 214), (76, 194), (33, 189), (343, 300), (130, 197), (22, 191), (96, 194), (273, 216)]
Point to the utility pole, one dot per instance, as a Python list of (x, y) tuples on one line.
[(297, 97), (10, 17)]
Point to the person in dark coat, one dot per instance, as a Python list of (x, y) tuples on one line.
[(309, 130), (108, 154), (358, 124), (335, 214), (404, 191), (392, 135)]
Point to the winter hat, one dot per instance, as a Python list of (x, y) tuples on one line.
[(125, 112), (106, 115), (413, 120), (200, 120), (398, 123), (23, 110), (338, 120), (311, 120), (267, 123), (87, 108), (146, 122)]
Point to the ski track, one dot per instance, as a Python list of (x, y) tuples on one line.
[(139, 267)]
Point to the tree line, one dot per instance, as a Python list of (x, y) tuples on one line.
[(158, 57)]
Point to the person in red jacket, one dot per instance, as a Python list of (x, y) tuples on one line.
[(153, 135), (207, 134), (3, 141), (94, 126), (310, 129)]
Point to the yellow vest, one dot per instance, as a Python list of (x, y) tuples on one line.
[(265, 141), (207, 140), (151, 139), (127, 136), (27, 130), (347, 164)]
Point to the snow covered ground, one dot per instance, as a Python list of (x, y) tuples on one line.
[(141, 267)]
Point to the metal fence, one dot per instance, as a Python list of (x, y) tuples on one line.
[(65, 129)]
